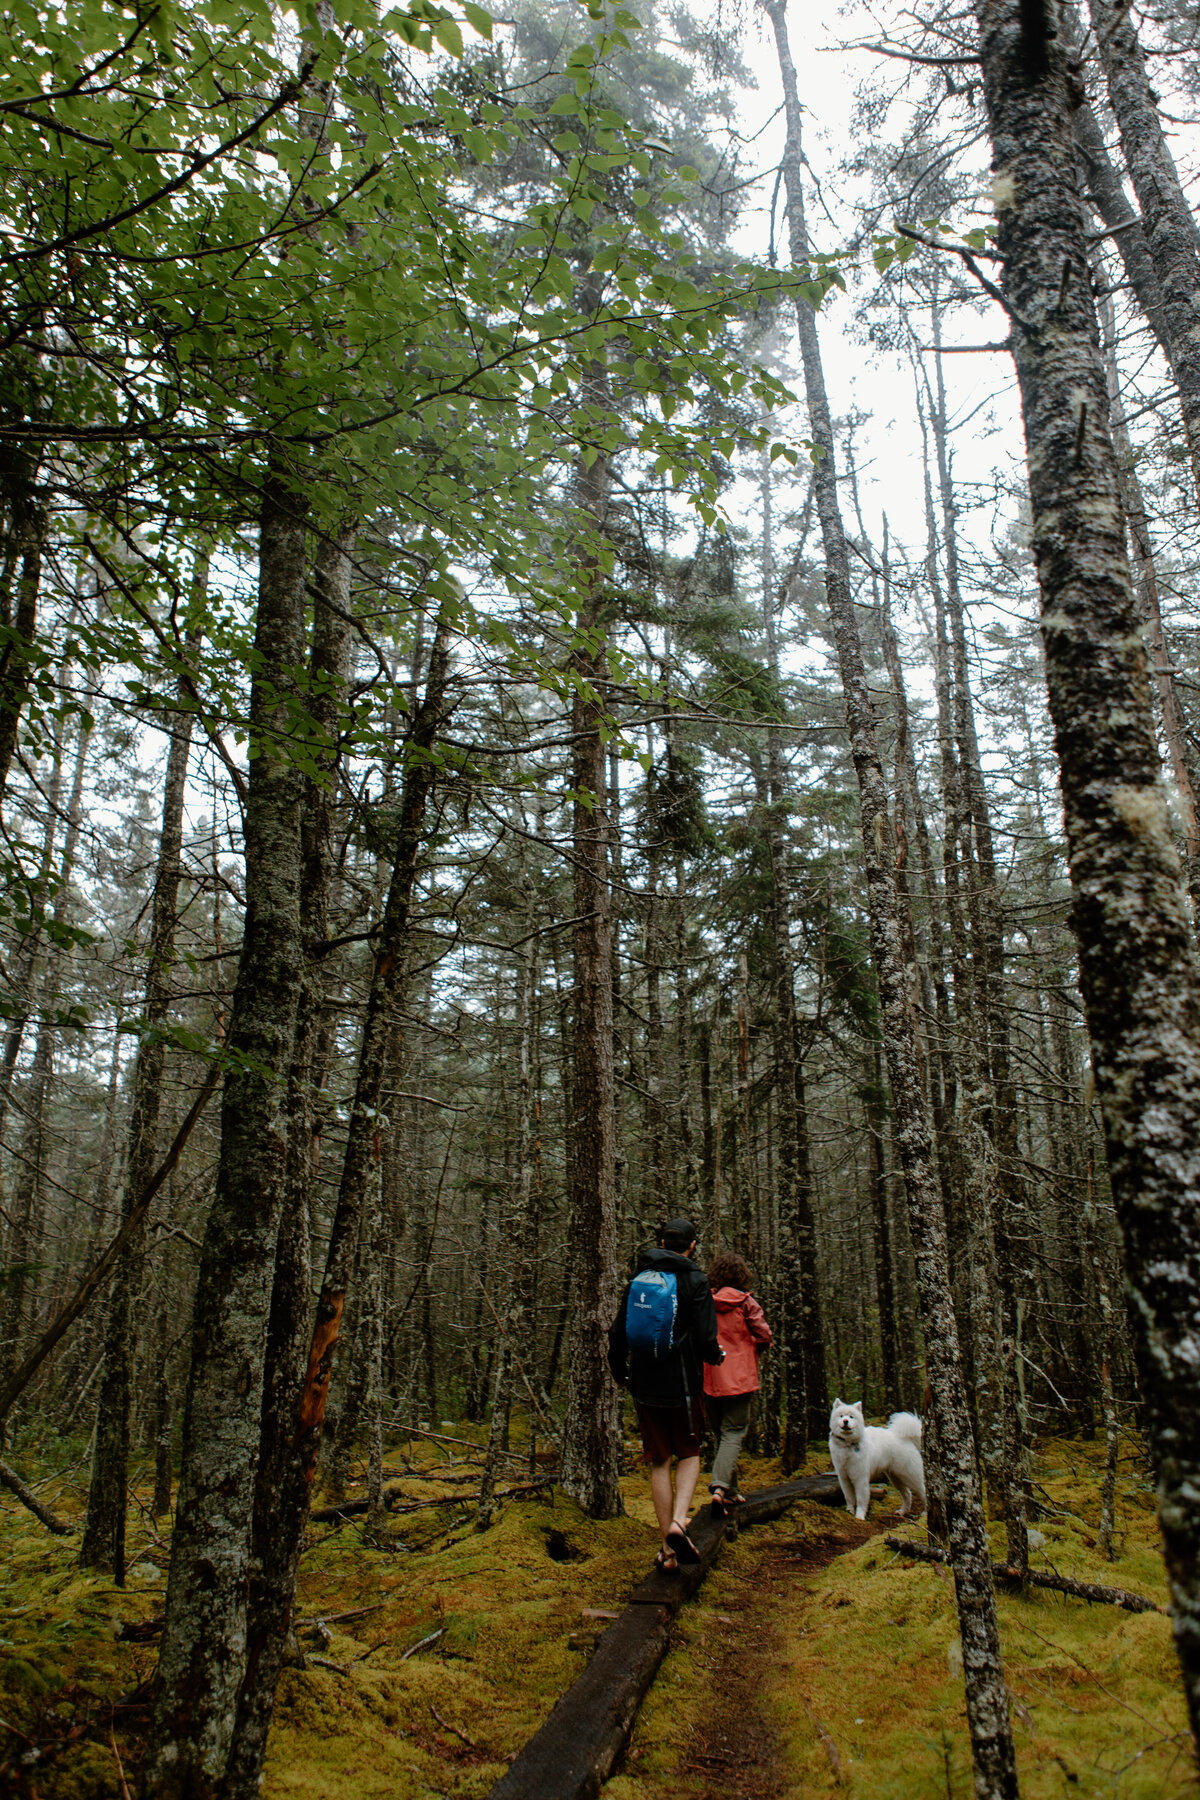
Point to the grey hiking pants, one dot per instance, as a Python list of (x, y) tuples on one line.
[(729, 1416)]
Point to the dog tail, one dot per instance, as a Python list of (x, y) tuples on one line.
[(906, 1425)]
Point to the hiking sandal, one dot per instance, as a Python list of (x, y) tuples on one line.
[(679, 1541), (667, 1561), (719, 1503)]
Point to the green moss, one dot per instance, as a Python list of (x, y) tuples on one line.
[(861, 1663), (866, 1639)]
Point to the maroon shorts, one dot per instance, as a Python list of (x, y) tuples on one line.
[(669, 1431)]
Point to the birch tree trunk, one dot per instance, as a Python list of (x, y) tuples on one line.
[(204, 1638), (1131, 919), (986, 1696)]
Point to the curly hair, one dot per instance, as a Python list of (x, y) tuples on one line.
[(728, 1269)]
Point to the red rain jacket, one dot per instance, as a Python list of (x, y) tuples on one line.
[(742, 1333)]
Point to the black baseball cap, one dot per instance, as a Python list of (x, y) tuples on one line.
[(682, 1230)]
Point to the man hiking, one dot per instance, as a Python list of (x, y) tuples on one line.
[(664, 1331)]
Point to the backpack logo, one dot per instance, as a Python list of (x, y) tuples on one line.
[(650, 1313)]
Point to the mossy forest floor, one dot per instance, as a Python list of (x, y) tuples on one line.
[(813, 1660)]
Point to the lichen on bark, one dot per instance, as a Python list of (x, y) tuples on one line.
[(1138, 971)]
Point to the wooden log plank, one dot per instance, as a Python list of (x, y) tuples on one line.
[(576, 1750), (580, 1744)]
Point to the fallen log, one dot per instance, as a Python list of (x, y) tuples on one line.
[(12, 1481), (576, 1750), (350, 1509), (1058, 1584)]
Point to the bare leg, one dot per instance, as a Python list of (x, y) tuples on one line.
[(687, 1474), (660, 1489)]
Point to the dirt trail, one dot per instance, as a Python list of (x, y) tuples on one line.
[(736, 1753)]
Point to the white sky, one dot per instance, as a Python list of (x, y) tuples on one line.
[(859, 377)]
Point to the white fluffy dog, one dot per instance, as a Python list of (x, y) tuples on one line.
[(861, 1452)]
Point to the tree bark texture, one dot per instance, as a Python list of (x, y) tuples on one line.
[(204, 1638), (875, 1108), (283, 1511), (289, 1330), (1130, 916), (516, 1321), (1167, 222), (591, 1425), (1106, 190), (986, 1696), (802, 1351), (19, 623), (1146, 577)]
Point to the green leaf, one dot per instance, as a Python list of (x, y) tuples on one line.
[(478, 19), (449, 35)]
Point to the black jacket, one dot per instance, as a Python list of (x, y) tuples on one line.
[(678, 1378)]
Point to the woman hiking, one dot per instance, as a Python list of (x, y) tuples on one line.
[(730, 1387), (664, 1331)]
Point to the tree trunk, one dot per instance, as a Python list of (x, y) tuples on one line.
[(204, 1639), (283, 1498), (1167, 222), (987, 1704), (19, 625), (515, 1323), (591, 1426), (1131, 918), (290, 1325), (22, 1303), (874, 1103), (1133, 504), (103, 1545), (802, 1352), (1000, 1215)]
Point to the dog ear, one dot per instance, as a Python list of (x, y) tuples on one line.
[(836, 1404), (858, 1406)]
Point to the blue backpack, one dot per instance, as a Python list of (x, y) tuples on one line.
[(650, 1313)]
